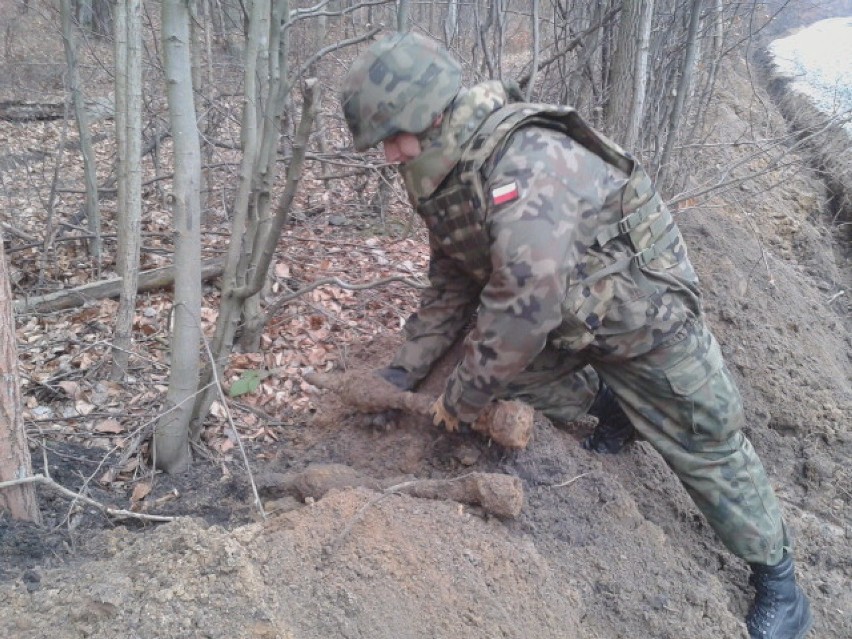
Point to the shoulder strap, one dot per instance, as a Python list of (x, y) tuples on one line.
[(497, 128)]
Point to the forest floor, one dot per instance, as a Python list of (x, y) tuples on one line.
[(604, 546)]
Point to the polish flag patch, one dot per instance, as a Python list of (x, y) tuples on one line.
[(505, 193)]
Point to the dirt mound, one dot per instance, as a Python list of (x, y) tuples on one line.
[(406, 568)]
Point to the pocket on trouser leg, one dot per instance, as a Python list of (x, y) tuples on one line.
[(710, 454), (708, 403)]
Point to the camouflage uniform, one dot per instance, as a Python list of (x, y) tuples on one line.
[(557, 242)]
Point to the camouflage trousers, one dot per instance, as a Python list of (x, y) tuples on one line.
[(683, 400)]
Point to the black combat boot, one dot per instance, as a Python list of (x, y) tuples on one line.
[(780, 609), (614, 430)]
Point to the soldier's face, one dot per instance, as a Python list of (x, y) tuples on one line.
[(401, 148)]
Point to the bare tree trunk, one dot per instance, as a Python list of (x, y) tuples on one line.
[(403, 11), (267, 106), (322, 137), (250, 256), (500, 34), (128, 93), (607, 43), (95, 16), (268, 240), (50, 228), (245, 208), (451, 22), (231, 306), (625, 103), (202, 91), (93, 215), (535, 51), (640, 75), (591, 64), (171, 437), (482, 33), (619, 98), (15, 463), (718, 41), (120, 84), (687, 67)]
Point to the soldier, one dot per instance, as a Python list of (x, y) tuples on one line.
[(556, 242)]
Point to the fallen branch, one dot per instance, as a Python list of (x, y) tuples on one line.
[(282, 301), (117, 513), (20, 111), (148, 281), (9, 229), (568, 482)]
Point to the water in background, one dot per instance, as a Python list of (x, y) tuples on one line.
[(818, 59)]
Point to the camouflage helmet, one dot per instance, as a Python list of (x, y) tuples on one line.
[(400, 84)]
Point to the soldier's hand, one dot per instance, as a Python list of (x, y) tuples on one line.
[(442, 418)]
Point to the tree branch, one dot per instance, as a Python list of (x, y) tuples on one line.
[(282, 301), (117, 513)]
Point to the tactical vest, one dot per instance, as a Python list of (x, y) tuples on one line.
[(455, 213)]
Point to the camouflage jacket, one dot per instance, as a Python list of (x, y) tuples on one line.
[(551, 236)]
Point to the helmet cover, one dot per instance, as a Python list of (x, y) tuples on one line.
[(400, 84)]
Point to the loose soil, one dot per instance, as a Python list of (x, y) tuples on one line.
[(604, 546)]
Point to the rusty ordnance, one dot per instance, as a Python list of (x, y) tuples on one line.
[(496, 493), (508, 423)]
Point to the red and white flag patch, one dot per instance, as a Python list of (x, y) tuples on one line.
[(505, 193)]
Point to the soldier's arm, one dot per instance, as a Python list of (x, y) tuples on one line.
[(539, 193), (446, 306)]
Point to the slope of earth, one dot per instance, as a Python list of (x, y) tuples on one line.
[(605, 547)]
